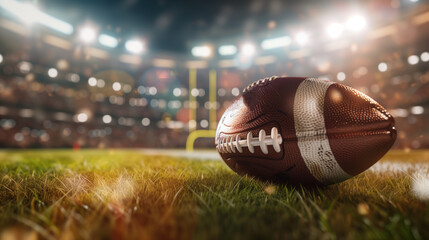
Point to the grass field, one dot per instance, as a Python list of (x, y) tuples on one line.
[(98, 194)]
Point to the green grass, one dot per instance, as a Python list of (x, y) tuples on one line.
[(98, 194)]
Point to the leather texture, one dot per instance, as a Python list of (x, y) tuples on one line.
[(330, 132), (360, 130)]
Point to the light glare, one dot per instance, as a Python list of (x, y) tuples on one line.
[(276, 42), (248, 49), (145, 122), (424, 57), (52, 72), (195, 92), (134, 46), (204, 123), (382, 67), (341, 76), (127, 88), (108, 41), (201, 51), (30, 14), (235, 92), (116, 86), (87, 34), (413, 59), (227, 50), (356, 23), (101, 83), (82, 117), (152, 90), (177, 92), (107, 119), (334, 30), (417, 110), (92, 81), (302, 38)]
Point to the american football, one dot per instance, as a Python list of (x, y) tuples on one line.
[(214, 119), (303, 130)]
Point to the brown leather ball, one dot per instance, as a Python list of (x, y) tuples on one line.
[(303, 131)]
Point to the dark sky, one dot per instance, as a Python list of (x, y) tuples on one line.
[(171, 26)]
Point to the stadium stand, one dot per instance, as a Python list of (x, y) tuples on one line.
[(58, 93)]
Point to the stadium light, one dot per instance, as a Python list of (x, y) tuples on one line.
[(100, 83), (227, 50), (417, 110), (235, 92), (152, 91), (92, 81), (334, 30), (30, 14), (248, 49), (108, 41), (356, 23), (52, 72), (276, 42), (116, 86), (107, 119), (87, 34), (177, 92), (201, 51), (73, 77), (204, 123), (25, 67), (134, 46), (82, 117), (424, 57), (195, 92), (413, 59), (341, 76), (302, 38), (382, 67), (127, 88), (145, 122)]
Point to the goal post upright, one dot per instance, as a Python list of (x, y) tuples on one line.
[(192, 124), (212, 100), (211, 132)]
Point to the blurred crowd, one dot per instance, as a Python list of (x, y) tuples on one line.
[(56, 97)]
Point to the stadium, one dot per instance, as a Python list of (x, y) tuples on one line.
[(109, 110)]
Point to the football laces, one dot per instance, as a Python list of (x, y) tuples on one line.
[(233, 144)]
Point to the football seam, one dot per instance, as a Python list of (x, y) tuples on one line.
[(260, 82)]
